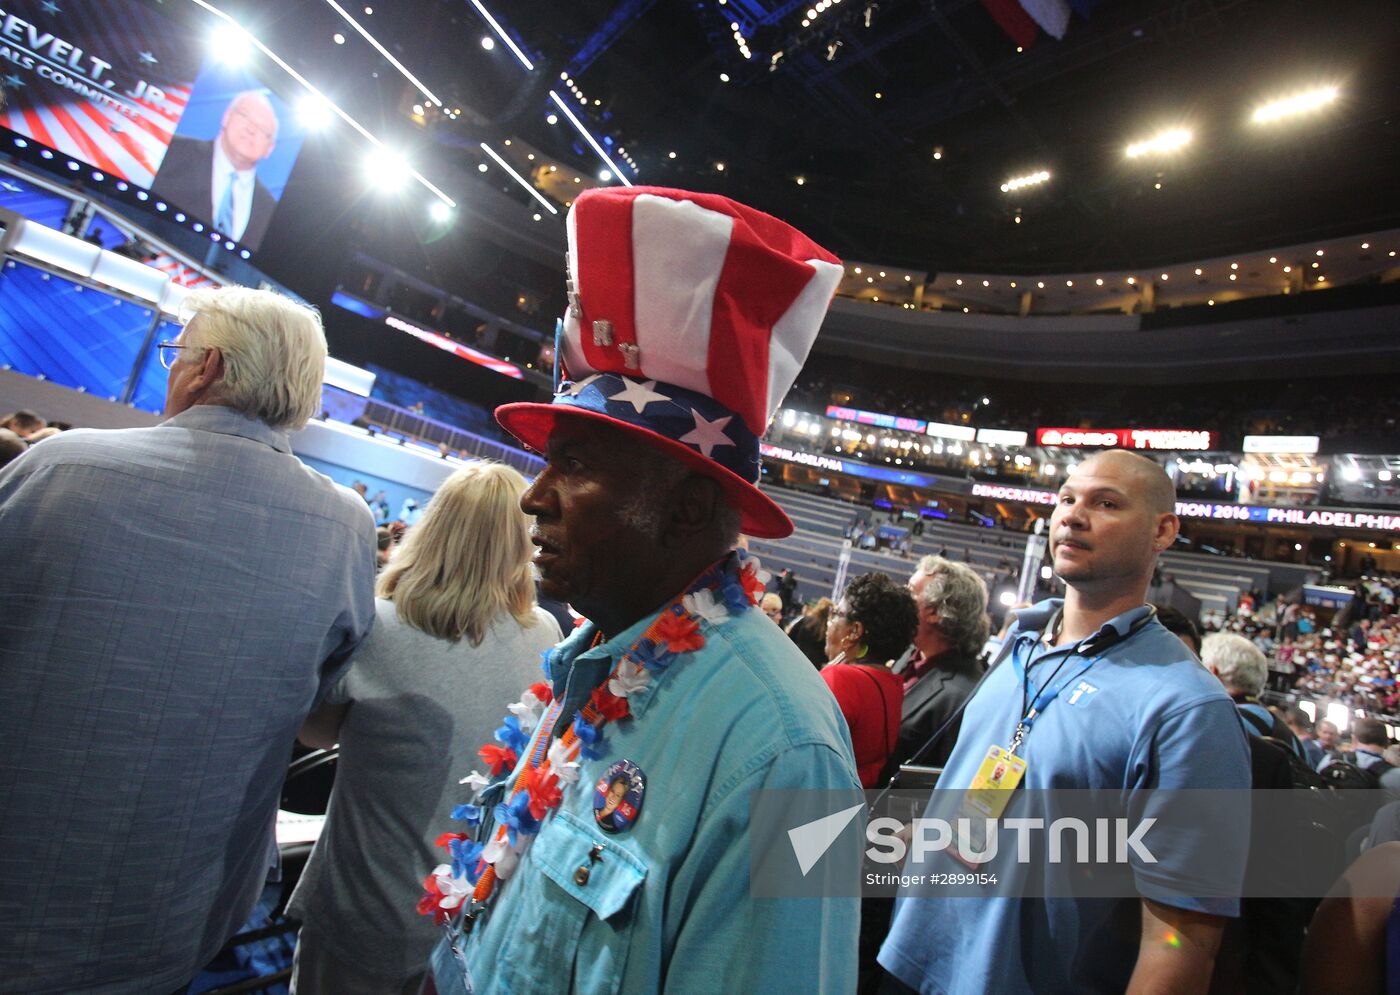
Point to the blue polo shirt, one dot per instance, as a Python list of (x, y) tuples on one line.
[(1138, 714)]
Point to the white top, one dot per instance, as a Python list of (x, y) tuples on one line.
[(420, 708), (244, 182)]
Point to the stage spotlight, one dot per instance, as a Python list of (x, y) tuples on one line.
[(1298, 103), (488, 43), (230, 45), (551, 119), (245, 254), (439, 212), (180, 218), (98, 177), (385, 169), (314, 112), (1166, 141)]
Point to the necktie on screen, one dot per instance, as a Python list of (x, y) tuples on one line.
[(223, 218)]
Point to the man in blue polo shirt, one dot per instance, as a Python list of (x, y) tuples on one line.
[(1136, 712)]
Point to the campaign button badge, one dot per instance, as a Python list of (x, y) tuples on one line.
[(617, 797)]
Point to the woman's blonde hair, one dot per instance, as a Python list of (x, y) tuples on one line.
[(468, 558)]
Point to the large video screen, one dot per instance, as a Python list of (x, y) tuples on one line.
[(116, 84)]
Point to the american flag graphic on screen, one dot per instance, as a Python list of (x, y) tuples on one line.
[(104, 81)]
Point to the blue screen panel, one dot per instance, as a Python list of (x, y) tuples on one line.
[(36, 203), (150, 387), (67, 333)]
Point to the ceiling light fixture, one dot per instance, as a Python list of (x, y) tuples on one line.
[(314, 112), (1298, 103), (501, 34), (230, 45), (740, 41), (588, 137), (529, 187), (1163, 142), (403, 71), (1030, 179)]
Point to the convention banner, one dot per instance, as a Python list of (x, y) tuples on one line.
[(104, 81)]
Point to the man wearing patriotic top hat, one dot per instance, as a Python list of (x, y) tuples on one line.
[(606, 848)]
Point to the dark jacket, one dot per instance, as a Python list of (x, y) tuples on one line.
[(186, 179), (929, 703)]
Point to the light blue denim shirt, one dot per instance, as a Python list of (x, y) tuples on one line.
[(174, 600), (668, 905)]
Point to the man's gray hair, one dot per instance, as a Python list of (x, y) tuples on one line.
[(274, 352), (959, 595), (1238, 663)]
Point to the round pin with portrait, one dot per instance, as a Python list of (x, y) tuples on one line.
[(617, 797)]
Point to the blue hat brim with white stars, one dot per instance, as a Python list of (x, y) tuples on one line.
[(688, 426)]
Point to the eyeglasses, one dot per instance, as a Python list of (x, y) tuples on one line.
[(167, 352), (253, 125)]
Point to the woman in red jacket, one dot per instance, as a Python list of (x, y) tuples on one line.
[(871, 626)]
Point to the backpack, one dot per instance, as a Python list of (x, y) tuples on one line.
[(1346, 773), (1357, 798)]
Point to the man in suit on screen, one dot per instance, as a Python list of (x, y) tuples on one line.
[(217, 180)]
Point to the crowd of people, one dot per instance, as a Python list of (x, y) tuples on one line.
[(1262, 408), (22, 429), (185, 601)]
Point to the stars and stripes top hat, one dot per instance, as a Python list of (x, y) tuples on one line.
[(689, 317)]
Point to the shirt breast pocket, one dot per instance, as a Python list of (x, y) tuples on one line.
[(576, 931)]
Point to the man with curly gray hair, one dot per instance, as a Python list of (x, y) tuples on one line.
[(953, 624), (177, 599)]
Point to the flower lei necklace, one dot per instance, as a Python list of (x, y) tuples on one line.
[(552, 765)]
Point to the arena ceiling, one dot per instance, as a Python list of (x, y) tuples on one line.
[(902, 118)]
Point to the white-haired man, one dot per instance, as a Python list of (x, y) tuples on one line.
[(953, 626), (1244, 670), (177, 598)]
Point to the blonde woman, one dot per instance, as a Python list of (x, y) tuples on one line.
[(457, 637)]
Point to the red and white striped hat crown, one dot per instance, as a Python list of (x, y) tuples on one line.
[(689, 317)]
